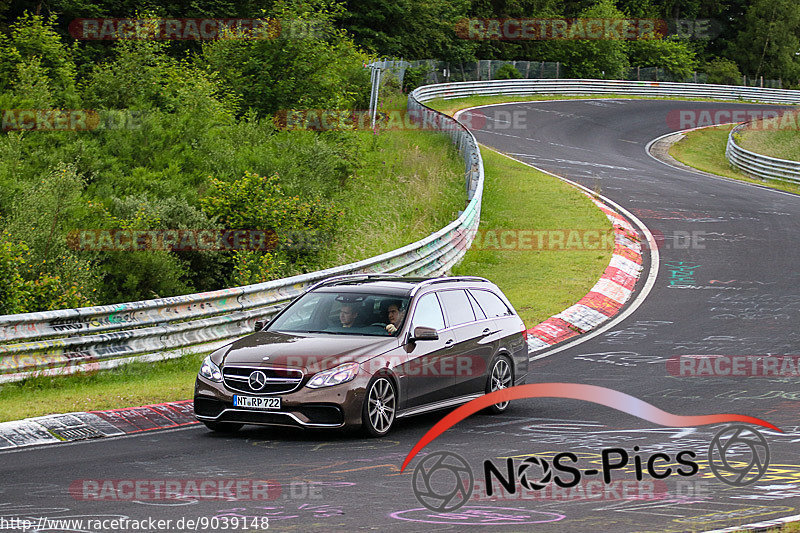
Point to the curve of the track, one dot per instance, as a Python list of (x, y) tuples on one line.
[(735, 292)]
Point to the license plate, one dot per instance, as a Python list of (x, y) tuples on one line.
[(255, 402)]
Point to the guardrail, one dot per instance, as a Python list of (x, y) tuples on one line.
[(65, 341), (758, 165), (588, 87), (93, 338)]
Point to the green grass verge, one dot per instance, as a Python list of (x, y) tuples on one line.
[(776, 138), (704, 150), (411, 184), (128, 385), (539, 283)]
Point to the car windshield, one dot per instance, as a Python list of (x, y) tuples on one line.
[(344, 313)]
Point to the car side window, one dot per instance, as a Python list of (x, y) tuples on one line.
[(491, 304), (457, 306), (428, 312)]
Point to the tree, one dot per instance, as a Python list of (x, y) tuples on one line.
[(672, 55), (598, 58), (34, 56), (723, 71), (768, 42), (410, 29), (320, 68)]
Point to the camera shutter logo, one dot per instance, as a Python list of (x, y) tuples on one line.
[(257, 380), (544, 479), (738, 455), (442, 482)]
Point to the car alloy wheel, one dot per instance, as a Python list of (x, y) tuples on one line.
[(500, 377), (380, 406)]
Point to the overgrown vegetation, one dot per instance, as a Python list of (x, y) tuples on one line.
[(167, 141)]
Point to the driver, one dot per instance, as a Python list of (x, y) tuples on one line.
[(395, 315)]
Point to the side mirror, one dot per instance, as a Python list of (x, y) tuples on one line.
[(421, 333), (259, 325)]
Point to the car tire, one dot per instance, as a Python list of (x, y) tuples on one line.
[(380, 407), (501, 376), (223, 427)]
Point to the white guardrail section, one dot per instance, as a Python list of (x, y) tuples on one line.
[(91, 338), (758, 165)]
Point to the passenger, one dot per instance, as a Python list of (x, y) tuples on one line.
[(395, 315), (347, 315)]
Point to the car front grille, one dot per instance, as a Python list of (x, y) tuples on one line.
[(277, 380)]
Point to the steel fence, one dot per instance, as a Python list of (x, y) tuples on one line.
[(435, 71), (758, 165)]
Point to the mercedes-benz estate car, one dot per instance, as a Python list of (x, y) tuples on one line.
[(362, 351)]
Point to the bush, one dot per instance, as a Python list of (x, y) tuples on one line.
[(673, 56), (507, 72), (323, 70), (723, 71), (259, 203), (34, 56), (414, 77)]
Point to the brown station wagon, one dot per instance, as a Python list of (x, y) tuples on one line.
[(363, 351)]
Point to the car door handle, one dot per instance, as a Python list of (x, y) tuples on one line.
[(449, 342), (487, 331)]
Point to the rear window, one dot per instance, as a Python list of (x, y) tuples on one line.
[(491, 304), (456, 306)]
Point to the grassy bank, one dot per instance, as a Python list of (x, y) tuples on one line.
[(777, 138), (705, 150), (410, 184), (128, 385), (539, 283)]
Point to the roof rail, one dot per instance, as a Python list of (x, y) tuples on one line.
[(343, 277), (446, 280)]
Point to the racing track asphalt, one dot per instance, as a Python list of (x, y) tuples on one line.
[(735, 293)]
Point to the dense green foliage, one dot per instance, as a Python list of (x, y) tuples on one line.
[(174, 143)]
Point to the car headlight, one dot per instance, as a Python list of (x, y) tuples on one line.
[(210, 371), (334, 376)]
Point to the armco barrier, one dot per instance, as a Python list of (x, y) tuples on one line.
[(758, 165), (64, 341)]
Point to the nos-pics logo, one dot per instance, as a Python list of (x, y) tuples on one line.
[(443, 481)]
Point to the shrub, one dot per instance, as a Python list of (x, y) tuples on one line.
[(507, 72), (723, 71)]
